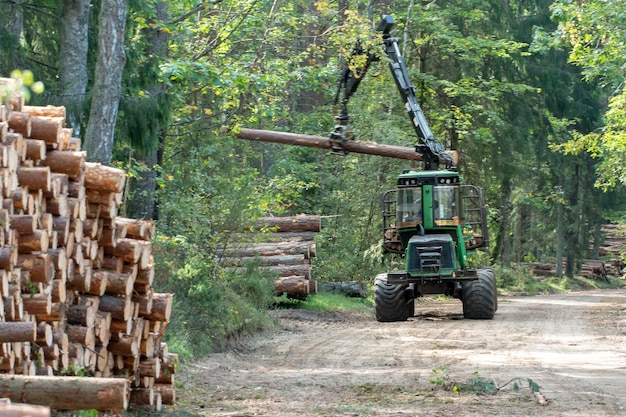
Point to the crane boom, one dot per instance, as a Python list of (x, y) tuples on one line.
[(433, 151)]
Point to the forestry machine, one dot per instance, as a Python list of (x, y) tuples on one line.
[(430, 218)]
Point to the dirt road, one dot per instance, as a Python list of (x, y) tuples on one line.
[(572, 346)]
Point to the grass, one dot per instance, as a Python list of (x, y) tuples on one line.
[(325, 301)]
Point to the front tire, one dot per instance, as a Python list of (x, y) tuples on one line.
[(480, 298), (390, 302)]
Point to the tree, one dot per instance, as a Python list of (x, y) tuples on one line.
[(73, 50), (145, 108), (107, 81), (595, 31)]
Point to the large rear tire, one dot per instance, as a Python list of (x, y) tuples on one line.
[(390, 302), (480, 297)]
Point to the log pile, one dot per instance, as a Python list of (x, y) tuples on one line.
[(592, 269), (284, 245), (613, 246), (75, 278)]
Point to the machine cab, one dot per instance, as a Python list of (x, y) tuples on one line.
[(429, 202), (428, 199)]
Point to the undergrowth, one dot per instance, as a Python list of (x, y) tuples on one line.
[(519, 280), (326, 302)]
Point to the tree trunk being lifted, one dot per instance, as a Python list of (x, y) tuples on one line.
[(370, 148)]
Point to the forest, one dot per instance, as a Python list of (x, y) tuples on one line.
[(530, 93)]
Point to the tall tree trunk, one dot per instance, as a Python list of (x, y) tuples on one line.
[(559, 240), (571, 237), (502, 251), (143, 203), (73, 78), (107, 82), (12, 19)]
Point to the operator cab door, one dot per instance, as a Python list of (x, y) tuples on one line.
[(446, 205)]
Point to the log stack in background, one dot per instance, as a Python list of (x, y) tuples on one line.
[(284, 245), (75, 278), (613, 246), (592, 269)]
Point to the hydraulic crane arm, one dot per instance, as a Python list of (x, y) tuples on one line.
[(433, 151)]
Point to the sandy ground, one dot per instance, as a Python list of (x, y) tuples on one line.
[(572, 346)]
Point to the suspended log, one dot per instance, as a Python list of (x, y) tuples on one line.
[(370, 148), (60, 393)]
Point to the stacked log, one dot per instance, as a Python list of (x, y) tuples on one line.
[(592, 269), (9, 409), (75, 278), (284, 245), (613, 246)]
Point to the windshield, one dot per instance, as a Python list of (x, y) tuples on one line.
[(446, 205), (409, 206)]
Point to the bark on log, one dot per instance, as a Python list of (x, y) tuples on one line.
[(161, 307), (270, 249), (168, 393), (67, 393), (24, 223), (8, 409), (105, 178), (36, 242), (295, 287), (18, 331), (370, 148), (120, 308), (36, 178), (267, 260), (35, 149), (39, 265), (299, 223), (70, 163), (48, 111), (20, 123), (47, 128)]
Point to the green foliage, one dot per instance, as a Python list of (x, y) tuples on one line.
[(23, 84), (211, 307), (87, 413), (324, 301), (595, 32), (479, 385), (442, 379)]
